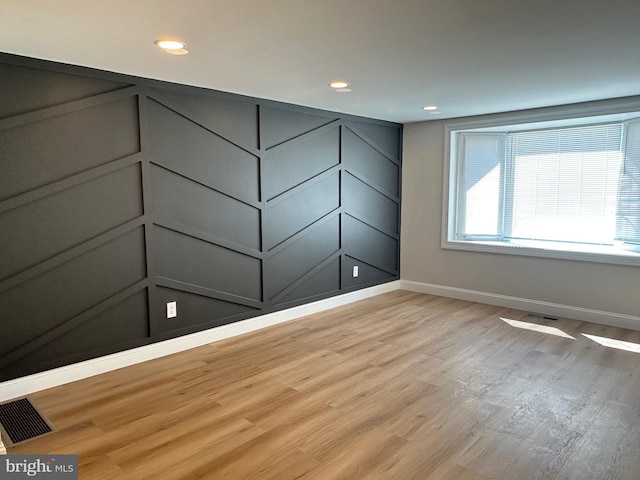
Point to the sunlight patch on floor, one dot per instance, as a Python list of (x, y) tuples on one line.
[(537, 328), (613, 343)]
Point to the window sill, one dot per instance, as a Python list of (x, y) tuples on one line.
[(586, 253)]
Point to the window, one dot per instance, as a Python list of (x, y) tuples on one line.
[(567, 188)]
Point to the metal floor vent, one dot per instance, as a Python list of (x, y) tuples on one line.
[(21, 421), (544, 317)]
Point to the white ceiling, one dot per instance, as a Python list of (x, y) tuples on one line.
[(467, 56)]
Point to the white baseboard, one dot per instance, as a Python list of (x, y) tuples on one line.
[(52, 378), (526, 304)]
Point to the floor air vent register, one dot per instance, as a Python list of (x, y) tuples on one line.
[(20, 421)]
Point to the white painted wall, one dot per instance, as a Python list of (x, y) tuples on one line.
[(594, 286)]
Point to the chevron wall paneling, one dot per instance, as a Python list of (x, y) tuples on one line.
[(120, 194)]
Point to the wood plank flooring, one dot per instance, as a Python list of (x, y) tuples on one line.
[(400, 386)]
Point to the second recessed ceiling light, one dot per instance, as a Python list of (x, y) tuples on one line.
[(340, 86)]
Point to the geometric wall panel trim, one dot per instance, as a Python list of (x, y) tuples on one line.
[(281, 125), (298, 211), (207, 292), (119, 194), (385, 139), (371, 164), (299, 257), (185, 147), (324, 279), (69, 255), (121, 323), (15, 361), (194, 310), (301, 161), (235, 121), (34, 89), (180, 200), (69, 290), (75, 142), (367, 274), (371, 245), (197, 262), (361, 199), (55, 218)]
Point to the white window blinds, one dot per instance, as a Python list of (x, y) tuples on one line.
[(628, 216), (562, 184), (574, 184), (480, 178)]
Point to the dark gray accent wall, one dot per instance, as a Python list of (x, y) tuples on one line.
[(120, 194)]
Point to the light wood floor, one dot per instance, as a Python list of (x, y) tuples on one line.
[(401, 386)]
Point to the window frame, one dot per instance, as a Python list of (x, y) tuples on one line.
[(628, 254)]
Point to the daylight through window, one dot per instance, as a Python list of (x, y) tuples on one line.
[(546, 186)]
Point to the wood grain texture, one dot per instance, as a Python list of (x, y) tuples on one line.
[(399, 386)]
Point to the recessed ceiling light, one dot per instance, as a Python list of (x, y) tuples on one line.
[(339, 84), (173, 47), (170, 44), (429, 108)]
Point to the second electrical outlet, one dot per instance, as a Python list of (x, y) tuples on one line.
[(172, 309)]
